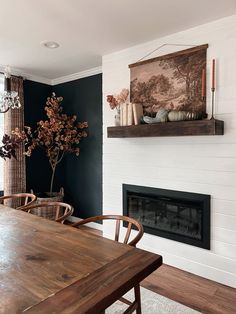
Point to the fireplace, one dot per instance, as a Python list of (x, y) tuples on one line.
[(175, 215)]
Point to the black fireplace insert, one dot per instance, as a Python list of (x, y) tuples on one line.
[(175, 215)]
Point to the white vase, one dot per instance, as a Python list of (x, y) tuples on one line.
[(117, 118)]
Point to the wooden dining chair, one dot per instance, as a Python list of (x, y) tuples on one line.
[(19, 200), (57, 211), (131, 223)]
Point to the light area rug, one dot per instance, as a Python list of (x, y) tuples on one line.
[(152, 303)]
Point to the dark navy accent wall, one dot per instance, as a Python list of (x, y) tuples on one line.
[(37, 166), (80, 176)]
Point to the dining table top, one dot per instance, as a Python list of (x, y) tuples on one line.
[(48, 267)]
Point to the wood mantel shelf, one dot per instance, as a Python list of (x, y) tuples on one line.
[(179, 128)]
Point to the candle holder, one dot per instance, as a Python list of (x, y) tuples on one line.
[(212, 103)]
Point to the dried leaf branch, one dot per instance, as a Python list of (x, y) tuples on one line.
[(57, 135)]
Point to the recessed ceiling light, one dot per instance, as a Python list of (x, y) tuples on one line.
[(49, 44)]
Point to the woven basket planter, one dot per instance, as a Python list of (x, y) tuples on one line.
[(47, 212)]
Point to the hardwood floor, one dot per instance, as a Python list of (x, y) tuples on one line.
[(198, 293)]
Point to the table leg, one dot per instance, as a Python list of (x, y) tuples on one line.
[(137, 298)]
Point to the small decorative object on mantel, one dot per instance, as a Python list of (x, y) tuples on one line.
[(138, 113), (184, 115), (213, 89), (161, 116), (164, 115), (116, 102)]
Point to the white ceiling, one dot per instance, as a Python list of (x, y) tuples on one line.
[(88, 29)]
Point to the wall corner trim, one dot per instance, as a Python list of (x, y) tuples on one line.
[(28, 76), (76, 76), (59, 80)]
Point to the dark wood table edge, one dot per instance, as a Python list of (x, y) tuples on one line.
[(55, 303)]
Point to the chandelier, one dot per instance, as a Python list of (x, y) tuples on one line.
[(8, 99)]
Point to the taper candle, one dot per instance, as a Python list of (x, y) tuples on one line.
[(213, 74), (203, 83)]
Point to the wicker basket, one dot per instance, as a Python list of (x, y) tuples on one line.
[(47, 212)]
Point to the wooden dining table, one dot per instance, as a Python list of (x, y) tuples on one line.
[(47, 267)]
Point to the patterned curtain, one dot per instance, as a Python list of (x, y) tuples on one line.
[(14, 169)]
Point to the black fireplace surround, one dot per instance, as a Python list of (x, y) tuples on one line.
[(175, 215)]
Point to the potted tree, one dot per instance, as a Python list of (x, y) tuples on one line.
[(58, 135)]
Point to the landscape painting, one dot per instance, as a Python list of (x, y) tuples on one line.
[(175, 81)]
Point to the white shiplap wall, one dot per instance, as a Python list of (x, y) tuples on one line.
[(195, 164)]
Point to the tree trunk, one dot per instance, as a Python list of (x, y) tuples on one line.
[(52, 179)]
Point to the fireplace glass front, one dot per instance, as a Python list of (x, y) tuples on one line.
[(175, 215)]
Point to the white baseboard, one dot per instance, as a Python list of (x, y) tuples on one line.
[(90, 224)]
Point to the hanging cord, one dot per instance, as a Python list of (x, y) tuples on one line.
[(158, 48)]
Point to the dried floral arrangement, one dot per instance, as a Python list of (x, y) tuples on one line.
[(116, 100), (57, 135), (10, 145)]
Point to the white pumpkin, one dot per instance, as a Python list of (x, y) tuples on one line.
[(176, 115)]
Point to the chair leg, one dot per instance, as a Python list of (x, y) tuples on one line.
[(137, 298)]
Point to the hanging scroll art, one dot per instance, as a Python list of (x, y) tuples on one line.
[(174, 82)]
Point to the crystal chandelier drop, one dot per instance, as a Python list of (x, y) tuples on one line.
[(8, 99)]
